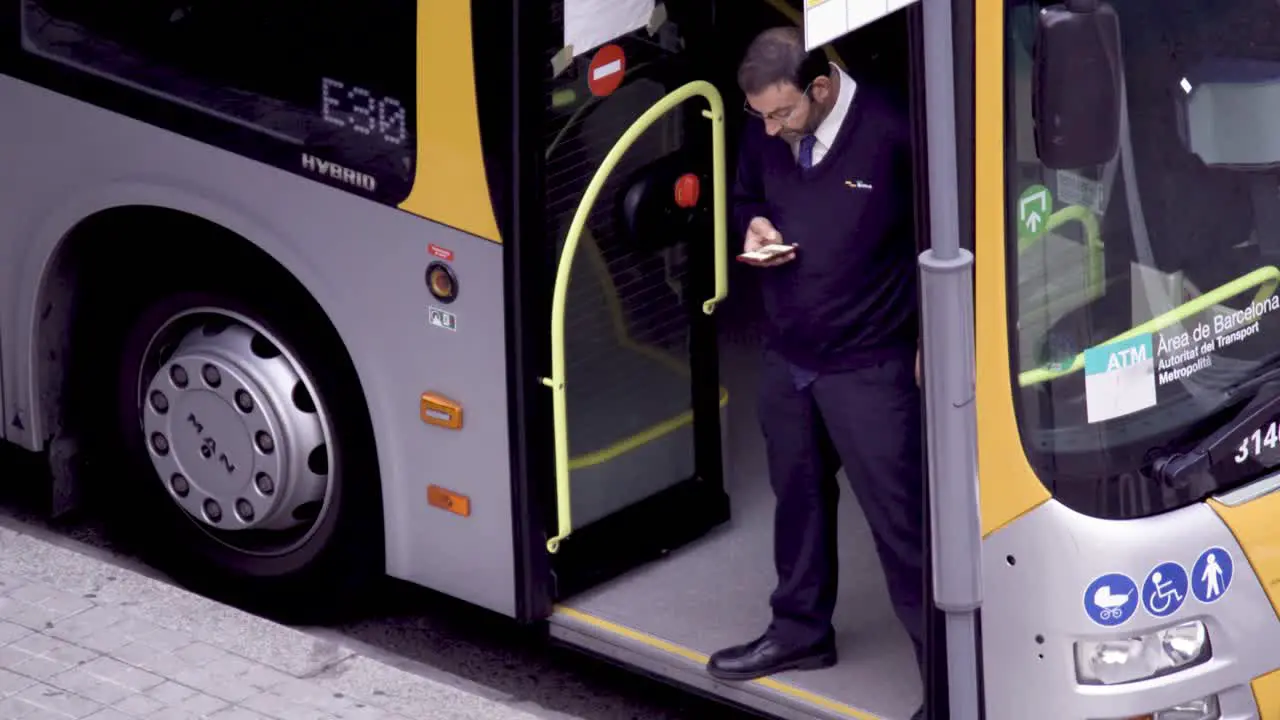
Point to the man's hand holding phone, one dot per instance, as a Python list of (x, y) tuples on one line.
[(764, 246)]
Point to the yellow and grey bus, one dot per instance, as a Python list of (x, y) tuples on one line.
[(303, 293)]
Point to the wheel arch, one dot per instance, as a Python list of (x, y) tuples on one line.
[(78, 252)]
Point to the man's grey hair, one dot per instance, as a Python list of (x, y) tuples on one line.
[(777, 56)]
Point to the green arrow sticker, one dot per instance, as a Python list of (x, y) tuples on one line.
[(1034, 207)]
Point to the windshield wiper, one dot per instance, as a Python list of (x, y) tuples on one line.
[(1263, 377), (1248, 444)]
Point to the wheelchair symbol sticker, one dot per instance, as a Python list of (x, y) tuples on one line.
[(1165, 589), (1211, 575), (1111, 599)]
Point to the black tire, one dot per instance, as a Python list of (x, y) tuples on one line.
[(322, 578)]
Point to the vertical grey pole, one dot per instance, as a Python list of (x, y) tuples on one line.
[(946, 276)]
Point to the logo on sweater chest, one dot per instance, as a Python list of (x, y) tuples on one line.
[(858, 185)]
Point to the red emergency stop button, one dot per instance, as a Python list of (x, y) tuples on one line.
[(687, 188)]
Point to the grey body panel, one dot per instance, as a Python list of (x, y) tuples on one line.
[(1057, 554), (364, 263)]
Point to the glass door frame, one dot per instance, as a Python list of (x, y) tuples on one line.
[(580, 558)]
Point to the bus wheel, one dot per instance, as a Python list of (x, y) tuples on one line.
[(250, 452)]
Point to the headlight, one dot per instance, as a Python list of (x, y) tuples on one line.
[(1205, 708), (1113, 662), (1202, 709)]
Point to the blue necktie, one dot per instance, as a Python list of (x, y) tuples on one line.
[(806, 151), (800, 376)]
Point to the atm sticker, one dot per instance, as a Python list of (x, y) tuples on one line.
[(1126, 376), (1183, 353), (1119, 378)]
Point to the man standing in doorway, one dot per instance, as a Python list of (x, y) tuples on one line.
[(826, 171)]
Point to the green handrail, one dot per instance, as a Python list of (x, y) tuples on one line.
[(559, 409), (1264, 278), (1093, 242)]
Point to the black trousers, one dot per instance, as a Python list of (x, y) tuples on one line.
[(868, 421)]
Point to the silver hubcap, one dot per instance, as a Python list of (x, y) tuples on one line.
[(234, 429)]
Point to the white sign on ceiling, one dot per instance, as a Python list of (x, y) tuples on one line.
[(826, 20)]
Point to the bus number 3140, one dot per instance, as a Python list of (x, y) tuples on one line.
[(1254, 442)]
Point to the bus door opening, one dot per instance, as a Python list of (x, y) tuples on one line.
[(670, 549)]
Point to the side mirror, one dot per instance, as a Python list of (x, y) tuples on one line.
[(1076, 84)]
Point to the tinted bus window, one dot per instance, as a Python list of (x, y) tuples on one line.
[(332, 79), (1176, 241)]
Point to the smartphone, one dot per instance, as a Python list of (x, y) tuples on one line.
[(768, 252)]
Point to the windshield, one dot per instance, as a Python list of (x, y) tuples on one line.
[(1143, 298)]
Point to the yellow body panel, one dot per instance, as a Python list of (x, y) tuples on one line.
[(450, 186), (1255, 527), (1009, 487), (1266, 692)]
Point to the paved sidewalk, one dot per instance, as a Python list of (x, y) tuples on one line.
[(84, 639)]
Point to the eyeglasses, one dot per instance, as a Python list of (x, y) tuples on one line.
[(781, 115)]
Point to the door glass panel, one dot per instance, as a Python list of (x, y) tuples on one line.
[(630, 392)]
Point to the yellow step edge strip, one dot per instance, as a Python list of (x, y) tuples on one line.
[(697, 657)]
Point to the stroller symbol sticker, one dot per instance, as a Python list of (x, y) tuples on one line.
[(1165, 589), (1111, 599)]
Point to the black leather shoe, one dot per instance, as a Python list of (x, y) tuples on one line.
[(765, 656)]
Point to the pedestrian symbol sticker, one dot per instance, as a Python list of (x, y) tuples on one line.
[(1165, 589), (1035, 204), (1211, 575), (1119, 378), (1111, 600)]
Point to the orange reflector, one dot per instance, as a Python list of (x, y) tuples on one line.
[(440, 411), (687, 188), (449, 500)]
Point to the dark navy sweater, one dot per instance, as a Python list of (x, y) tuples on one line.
[(848, 299)]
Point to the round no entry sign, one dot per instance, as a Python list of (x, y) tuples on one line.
[(605, 72)]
